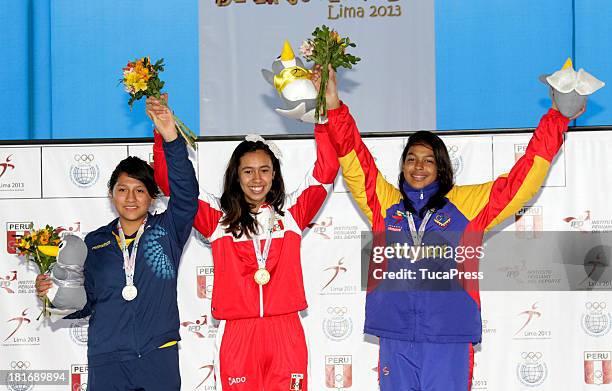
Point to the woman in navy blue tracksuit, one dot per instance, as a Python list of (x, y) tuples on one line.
[(131, 274)]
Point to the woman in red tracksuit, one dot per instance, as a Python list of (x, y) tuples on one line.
[(255, 230)]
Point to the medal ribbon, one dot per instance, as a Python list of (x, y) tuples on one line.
[(129, 260), (417, 237), (263, 257)]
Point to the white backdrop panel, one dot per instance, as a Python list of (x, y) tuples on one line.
[(531, 340)]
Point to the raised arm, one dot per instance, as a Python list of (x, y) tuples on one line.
[(180, 175), (369, 188), (305, 202), (488, 204)]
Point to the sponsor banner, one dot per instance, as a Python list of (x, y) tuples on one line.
[(20, 173), (79, 171)]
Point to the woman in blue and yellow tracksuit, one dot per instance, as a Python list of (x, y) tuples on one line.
[(426, 327), (133, 334)]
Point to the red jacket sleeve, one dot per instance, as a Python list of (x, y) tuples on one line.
[(209, 211), (305, 202)]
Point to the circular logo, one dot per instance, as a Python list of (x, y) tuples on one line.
[(456, 159), (79, 387), (597, 321), (532, 371), (84, 172), (337, 326), (78, 332), (19, 383)]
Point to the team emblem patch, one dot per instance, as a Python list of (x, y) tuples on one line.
[(442, 219), (296, 382), (278, 226)]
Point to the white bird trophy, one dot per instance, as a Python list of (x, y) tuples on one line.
[(569, 89), (292, 81)]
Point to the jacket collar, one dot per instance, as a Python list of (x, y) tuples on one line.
[(419, 197)]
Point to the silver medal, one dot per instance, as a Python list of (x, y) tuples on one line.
[(129, 292)]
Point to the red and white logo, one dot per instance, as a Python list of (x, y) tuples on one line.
[(338, 371), (529, 221), (208, 370), (19, 321), (236, 380), (336, 270), (323, 228), (519, 151), (529, 315), (78, 377), (205, 276), (581, 222), (597, 368), (296, 382), (6, 282), (6, 165), (14, 233)]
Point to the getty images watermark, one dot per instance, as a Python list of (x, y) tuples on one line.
[(493, 261), (404, 252)]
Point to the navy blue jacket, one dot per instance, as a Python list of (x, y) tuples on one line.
[(122, 330)]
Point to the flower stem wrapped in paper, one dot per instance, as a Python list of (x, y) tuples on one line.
[(327, 47), (41, 247), (141, 79)]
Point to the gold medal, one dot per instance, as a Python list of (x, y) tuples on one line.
[(262, 276)]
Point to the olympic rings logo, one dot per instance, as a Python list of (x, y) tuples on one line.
[(84, 158), (20, 365), (338, 311), (452, 149), (595, 307), (531, 356)]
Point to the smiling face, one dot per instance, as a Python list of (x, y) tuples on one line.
[(420, 168), (131, 200), (255, 174)]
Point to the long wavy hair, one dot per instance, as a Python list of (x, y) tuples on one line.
[(445, 170), (238, 217)]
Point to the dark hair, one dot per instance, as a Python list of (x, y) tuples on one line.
[(443, 163), (135, 168), (237, 210)]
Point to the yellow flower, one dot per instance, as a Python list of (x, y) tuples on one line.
[(135, 82), (335, 36)]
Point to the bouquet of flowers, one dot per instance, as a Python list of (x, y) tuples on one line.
[(141, 79), (327, 47), (41, 247)]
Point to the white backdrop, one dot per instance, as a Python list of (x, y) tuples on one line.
[(66, 186)]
